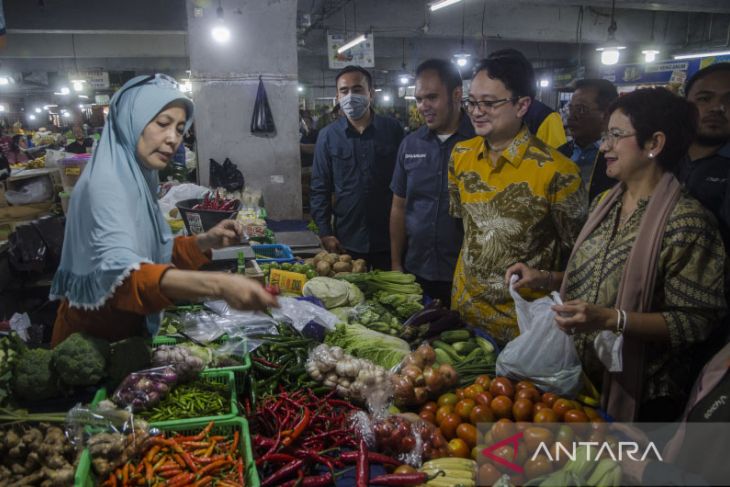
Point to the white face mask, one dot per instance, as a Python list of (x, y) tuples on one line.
[(354, 106)]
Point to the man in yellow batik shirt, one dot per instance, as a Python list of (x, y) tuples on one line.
[(519, 199)]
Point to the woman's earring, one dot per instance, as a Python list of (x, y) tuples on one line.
[(651, 155)]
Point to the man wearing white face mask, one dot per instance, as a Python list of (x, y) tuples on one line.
[(354, 160)]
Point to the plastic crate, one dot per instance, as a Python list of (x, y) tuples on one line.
[(226, 427), (239, 371), (272, 253)]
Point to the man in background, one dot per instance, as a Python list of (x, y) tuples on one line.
[(80, 143)]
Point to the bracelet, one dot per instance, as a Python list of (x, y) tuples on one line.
[(618, 321), (625, 321)]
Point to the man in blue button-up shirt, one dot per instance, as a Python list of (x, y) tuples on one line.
[(353, 165), (419, 218)]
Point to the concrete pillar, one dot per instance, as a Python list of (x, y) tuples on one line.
[(225, 79)]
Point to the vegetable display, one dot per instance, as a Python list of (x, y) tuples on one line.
[(392, 282), (80, 360), (376, 317), (403, 305), (470, 355), (146, 388), (187, 364), (109, 450), (381, 349), (419, 378), (216, 202), (397, 436), (332, 292), (430, 321), (35, 455), (329, 264), (306, 269), (204, 459)]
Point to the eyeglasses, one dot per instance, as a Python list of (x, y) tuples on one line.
[(579, 110), (612, 136), (484, 105)]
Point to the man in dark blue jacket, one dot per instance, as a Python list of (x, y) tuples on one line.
[(354, 158), (421, 230)]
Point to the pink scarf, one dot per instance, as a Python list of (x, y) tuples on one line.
[(622, 390)]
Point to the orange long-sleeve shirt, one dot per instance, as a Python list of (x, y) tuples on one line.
[(123, 314)]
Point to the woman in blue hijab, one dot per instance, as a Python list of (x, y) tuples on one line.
[(120, 266)]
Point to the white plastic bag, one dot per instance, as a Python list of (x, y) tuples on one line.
[(36, 190), (543, 353), (181, 192), (299, 313)]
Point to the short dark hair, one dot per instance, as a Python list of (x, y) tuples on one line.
[(659, 110), (606, 92), (447, 71), (356, 69), (702, 73), (512, 68)]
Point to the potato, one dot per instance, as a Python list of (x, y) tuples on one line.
[(342, 267), (310, 262), (345, 258), (359, 266), (321, 255), (329, 259), (323, 268)]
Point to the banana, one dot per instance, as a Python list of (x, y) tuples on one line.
[(604, 474), (451, 472), (451, 462), (451, 482)]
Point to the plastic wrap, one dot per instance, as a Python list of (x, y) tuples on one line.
[(146, 388), (418, 378), (186, 363), (299, 313), (113, 436)]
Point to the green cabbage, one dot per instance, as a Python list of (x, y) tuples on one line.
[(331, 292), (381, 349)]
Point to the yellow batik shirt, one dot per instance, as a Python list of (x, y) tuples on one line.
[(529, 208)]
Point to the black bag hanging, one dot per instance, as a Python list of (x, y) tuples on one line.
[(232, 177), (216, 174), (262, 121)]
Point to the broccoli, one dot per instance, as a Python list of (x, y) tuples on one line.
[(33, 378), (80, 360), (127, 356)]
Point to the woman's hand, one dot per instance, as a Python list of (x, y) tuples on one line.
[(528, 277), (225, 234), (577, 316), (244, 293)]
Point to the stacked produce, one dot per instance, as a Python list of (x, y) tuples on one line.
[(35, 454), (216, 202), (403, 305), (352, 378), (408, 441), (449, 472), (305, 269), (330, 264), (200, 398), (471, 355), (186, 363), (176, 460), (419, 378), (333, 293), (384, 286), (374, 316)]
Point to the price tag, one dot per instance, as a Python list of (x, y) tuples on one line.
[(72, 171), (291, 282)]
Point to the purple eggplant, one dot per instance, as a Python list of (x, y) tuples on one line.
[(451, 321), (427, 315)]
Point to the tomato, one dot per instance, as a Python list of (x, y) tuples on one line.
[(549, 398), (522, 410), (488, 474), (536, 435), (483, 380), (481, 414), (472, 391), (449, 424), (591, 413), (442, 412), (430, 406), (545, 416), (507, 452), (565, 435), (537, 466), (476, 452), (561, 406), (538, 406), (458, 448), (437, 438), (464, 408), (484, 398), (405, 469), (460, 393), (468, 433), (502, 386), (575, 416), (428, 416), (502, 429), (528, 393), (502, 407), (524, 384), (446, 399)]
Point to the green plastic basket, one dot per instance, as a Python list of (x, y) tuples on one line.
[(239, 371), (226, 427)]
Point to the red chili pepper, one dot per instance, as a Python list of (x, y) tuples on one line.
[(283, 473), (363, 467), (400, 479), (316, 481), (275, 458), (351, 457), (331, 463)]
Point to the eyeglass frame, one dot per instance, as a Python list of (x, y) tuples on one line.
[(585, 110), (485, 105), (608, 135)]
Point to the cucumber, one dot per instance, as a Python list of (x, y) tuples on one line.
[(485, 345), (438, 344), (453, 336), (442, 357), (464, 347)]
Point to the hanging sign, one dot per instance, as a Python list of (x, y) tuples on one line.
[(361, 55)]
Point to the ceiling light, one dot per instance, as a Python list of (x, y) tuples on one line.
[(378, 89), (300, 88), (404, 79), (441, 4), (409, 97), (63, 91), (386, 98), (701, 54), (37, 110), (85, 97), (4, 80), (31, 117), (352, 43), (610, 55), (544, 83), (649, 55), (2, 108), (78, 84), (66, 114), (81, 107), (185, 86), (221, 34), (461, 62)]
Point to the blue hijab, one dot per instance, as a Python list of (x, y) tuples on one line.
[(114, 222)]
